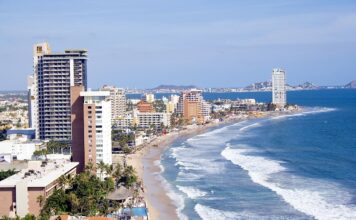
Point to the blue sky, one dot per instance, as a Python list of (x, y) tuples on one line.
[(221, 43)]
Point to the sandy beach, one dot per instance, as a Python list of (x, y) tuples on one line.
[(146, 163)]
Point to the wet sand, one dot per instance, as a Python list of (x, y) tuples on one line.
[(145, 161)]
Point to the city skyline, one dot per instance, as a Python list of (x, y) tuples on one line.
[(143, 45)]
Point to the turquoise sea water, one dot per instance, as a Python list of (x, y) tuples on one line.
[(296, 167)]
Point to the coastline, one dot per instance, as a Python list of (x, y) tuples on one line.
[(156, 194)]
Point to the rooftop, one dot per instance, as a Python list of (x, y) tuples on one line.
[(95, 93), (39, 174)]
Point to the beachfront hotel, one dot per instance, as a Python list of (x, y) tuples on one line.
[(156, 119), (91, 127), (20, 193), (190, 106), (49, 90), (279, 96)]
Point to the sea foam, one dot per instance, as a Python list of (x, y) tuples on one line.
[(319, 199), (191, 192), (175, 197), (308, 111), (159, 164), (207, 213)]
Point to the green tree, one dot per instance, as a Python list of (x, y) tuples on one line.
[(65, 181), (85, 196), (42, 152), (129, 177), (56, 146), (117, 173), (40, 200), (102, 168), (29, 217), (7, 173), (89, 167), (159, 106)]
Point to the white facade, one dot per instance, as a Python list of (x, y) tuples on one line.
[(147, 119), (150, 97), (31, 101), (206, 110), (118, 102), (248, 101), (279, 96), (38, 50), (175, 99), (18, 149), (124, 122), (102, 123)]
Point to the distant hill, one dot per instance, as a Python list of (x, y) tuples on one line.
[(308, 85), (259, 86), (173, 87), (351, 85), (267, 86)]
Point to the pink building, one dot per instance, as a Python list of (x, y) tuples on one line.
[(19, 193)]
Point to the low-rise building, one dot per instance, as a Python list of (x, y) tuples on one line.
[(13, 133), (20, 193), (18, 149), (157, 119), (144, 106), (124, 122)]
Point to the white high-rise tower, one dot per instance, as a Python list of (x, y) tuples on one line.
[(279, 95)]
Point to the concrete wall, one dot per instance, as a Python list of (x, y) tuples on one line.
[(77, 126), (7, 197), (33, 194)]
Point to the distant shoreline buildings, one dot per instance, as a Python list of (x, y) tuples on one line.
[(193, 107), (279, 93)]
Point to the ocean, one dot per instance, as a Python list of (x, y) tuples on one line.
[(301, 166)]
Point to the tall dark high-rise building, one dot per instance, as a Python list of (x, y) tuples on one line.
[(50, 101)]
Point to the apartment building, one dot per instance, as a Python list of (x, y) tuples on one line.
[(190, 106), (156, 119), (118, 102), (206, 110), (91, 127), (49, 90), (279, 94)]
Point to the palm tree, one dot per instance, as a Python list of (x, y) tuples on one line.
[(102, 168), (117, 173), (109, 169), (89, 167), (40, 200), (130, 176), (74, 202), (65, 181)]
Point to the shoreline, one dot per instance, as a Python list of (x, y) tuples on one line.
[(160, 205)]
